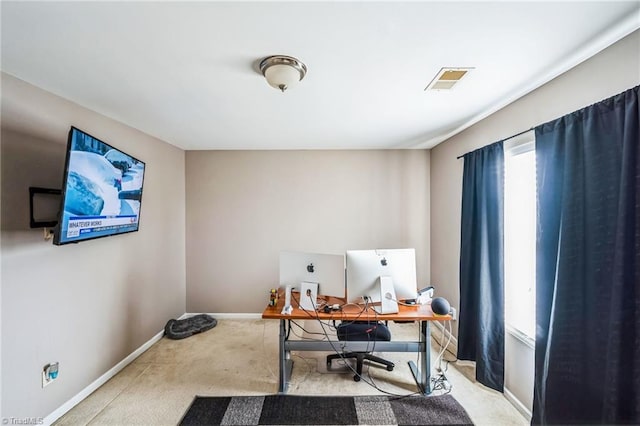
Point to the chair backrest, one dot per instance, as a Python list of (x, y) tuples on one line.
[(363, 331)]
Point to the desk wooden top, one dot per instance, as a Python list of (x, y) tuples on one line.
[(352, 312)]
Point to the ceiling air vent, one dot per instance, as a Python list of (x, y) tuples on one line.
[(447, 78)]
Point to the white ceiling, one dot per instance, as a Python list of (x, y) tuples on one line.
[(186, 72)]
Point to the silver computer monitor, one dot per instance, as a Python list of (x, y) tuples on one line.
[(365, 267), (325, 269)]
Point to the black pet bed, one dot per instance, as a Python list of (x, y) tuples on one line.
[(179, 329)]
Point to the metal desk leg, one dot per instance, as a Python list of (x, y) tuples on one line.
[(285, 363), (422, 375)]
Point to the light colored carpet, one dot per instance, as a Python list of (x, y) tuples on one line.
[(240, 357)]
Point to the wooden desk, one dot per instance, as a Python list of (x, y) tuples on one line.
[(352, 312)]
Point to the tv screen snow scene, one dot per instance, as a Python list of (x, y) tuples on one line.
[(102, 190)]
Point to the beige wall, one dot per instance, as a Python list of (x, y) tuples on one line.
[(612, 71), (86, 305), (244, 207)]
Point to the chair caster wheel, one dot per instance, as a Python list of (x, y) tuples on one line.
[(390, 367), (356, 378)]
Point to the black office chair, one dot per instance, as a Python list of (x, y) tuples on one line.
[(362, 331)]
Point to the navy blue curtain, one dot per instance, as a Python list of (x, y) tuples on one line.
[(587, 367), (481, 320)]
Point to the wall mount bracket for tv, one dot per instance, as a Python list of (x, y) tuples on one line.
[(33, 191)]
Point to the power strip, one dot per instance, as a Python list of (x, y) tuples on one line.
[(439, 382)]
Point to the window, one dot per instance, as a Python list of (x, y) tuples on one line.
[(520, 238)]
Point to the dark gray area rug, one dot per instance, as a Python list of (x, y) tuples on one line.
[(325, 410)]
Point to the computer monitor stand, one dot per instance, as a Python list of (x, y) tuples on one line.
[(388, 301), (308, 296), (287, 309)]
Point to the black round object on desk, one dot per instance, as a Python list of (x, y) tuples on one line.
[(440, 306)]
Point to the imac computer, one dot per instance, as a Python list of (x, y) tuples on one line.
[(369, 271), (316, 272)]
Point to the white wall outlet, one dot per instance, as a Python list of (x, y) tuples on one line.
[(49, 373), (45, 379), (454, 314)]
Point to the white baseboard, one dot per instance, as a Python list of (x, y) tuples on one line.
[(64, 408), (453, 348), (229, 315), (517, 404)]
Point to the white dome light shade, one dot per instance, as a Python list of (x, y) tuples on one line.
[(282, 72), (282, 76)]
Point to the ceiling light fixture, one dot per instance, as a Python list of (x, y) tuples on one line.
[(282, 72)]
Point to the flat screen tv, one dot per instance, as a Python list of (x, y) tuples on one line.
[(101, 191)]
